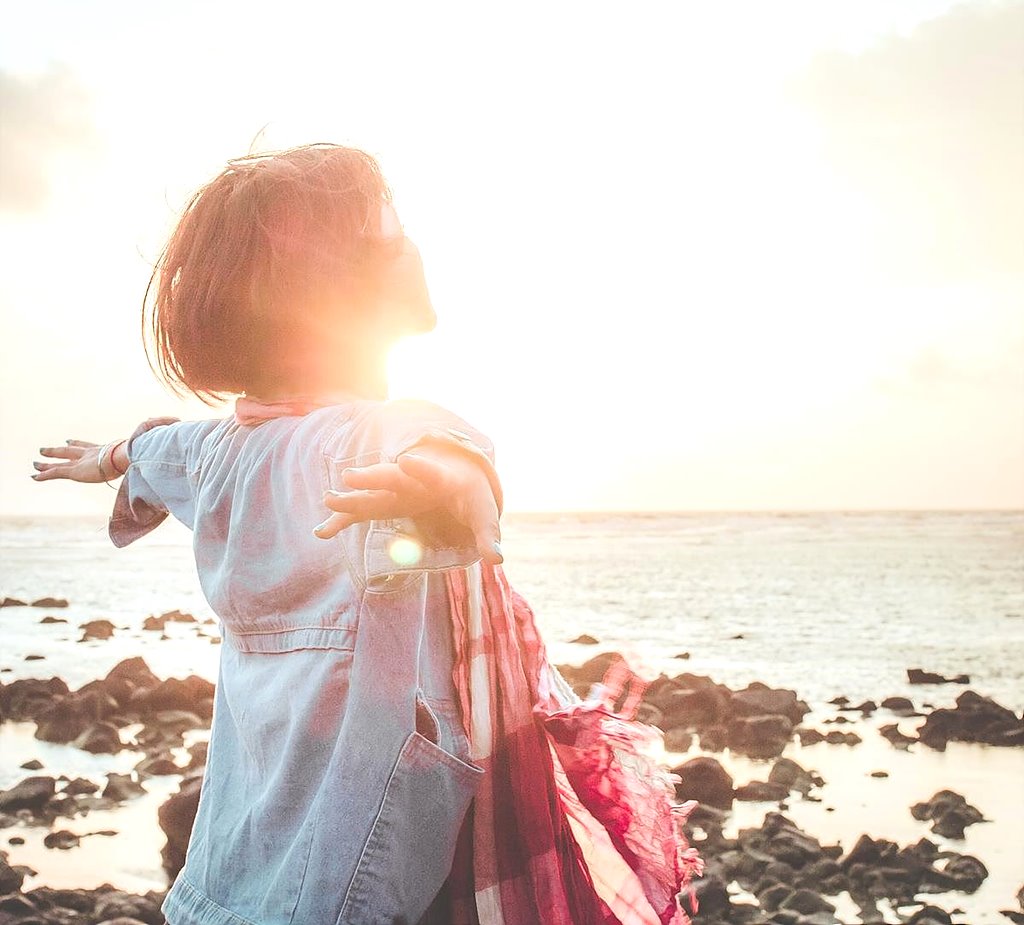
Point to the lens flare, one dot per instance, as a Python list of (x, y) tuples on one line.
[(405, 551)]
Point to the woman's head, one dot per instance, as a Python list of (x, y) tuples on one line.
[(288, 272)]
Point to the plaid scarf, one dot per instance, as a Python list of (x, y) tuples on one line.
[(573, 823)]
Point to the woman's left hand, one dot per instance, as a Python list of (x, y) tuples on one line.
[(80, 462)]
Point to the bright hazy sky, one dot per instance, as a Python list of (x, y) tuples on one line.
[(688, 256)]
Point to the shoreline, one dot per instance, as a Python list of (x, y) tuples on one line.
[(849, 802)]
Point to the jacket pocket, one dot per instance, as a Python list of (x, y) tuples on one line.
[(408, 853)]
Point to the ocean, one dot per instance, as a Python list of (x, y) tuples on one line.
[(827, 603)]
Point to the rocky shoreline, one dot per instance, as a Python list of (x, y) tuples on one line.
[(772, 873)]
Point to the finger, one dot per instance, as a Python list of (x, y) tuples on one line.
[(61, 452), (333, 526), (51, 472), (480, 515), (434, 476), (82, 443), (373, 505), (382, 477)]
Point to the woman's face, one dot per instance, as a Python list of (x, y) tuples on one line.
[(404, 294)]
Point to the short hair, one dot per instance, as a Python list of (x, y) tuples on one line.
[(263, 256)]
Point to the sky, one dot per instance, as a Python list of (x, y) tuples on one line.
[(685, 256)]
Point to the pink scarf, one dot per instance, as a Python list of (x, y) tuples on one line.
[(252, 410), (574, 823)]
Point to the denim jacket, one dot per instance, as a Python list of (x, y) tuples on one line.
[(338, 772)]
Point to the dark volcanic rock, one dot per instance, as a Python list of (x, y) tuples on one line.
[(13, 602), (53, 620), (25, 698), (100, 737), (194, 694), (930, 915), (790, 775), (806, 902), (96, 629), (705, 780), (897, 738), (121, 787), (898, 705), (30, 793), (760, 736), (760, 700), (50, 602), (585, 640), (920, 676), (974, 719), (62, 839), (761, 791), (11, 878), (949, 812), (176, 816)]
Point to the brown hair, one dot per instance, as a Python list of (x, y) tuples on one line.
[(266, 256)]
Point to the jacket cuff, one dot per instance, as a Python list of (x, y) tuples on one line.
[(132, 516)]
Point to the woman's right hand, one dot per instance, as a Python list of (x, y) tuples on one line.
[(432, 480), (80, 462)]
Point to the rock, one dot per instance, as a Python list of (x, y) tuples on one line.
[(176, 816), (762, 736), (79, 786), (761, 792), (53, 620), (33, 765), (62, 839), (117, 905), (30, 793), (34, 658), (24, 698), (897, 738), (713, 738), (585, 640), (591, 671), (157, 766), (950, 813), (96, 629), (11, 878), (194, 694), (682, 655), (967, 872), (880, 774), (898, 705), (705, 780), (50, 602), (975, 719), (121, 787), (809, 736), (15, 840), (807, 902), (771, 897), (100, 737), (1016, 917), (930, 915), (693, 708), (790, 775), (835, 737), (865, 707), (760, 700), (678, 740), (13, 602), (712, 896), (919, 676)]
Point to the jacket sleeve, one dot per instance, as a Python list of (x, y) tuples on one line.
[(162, 454)]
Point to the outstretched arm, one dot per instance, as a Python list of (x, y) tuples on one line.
[(434, 482), (83, 461)]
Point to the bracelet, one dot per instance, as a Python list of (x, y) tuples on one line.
[(108, 451)]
